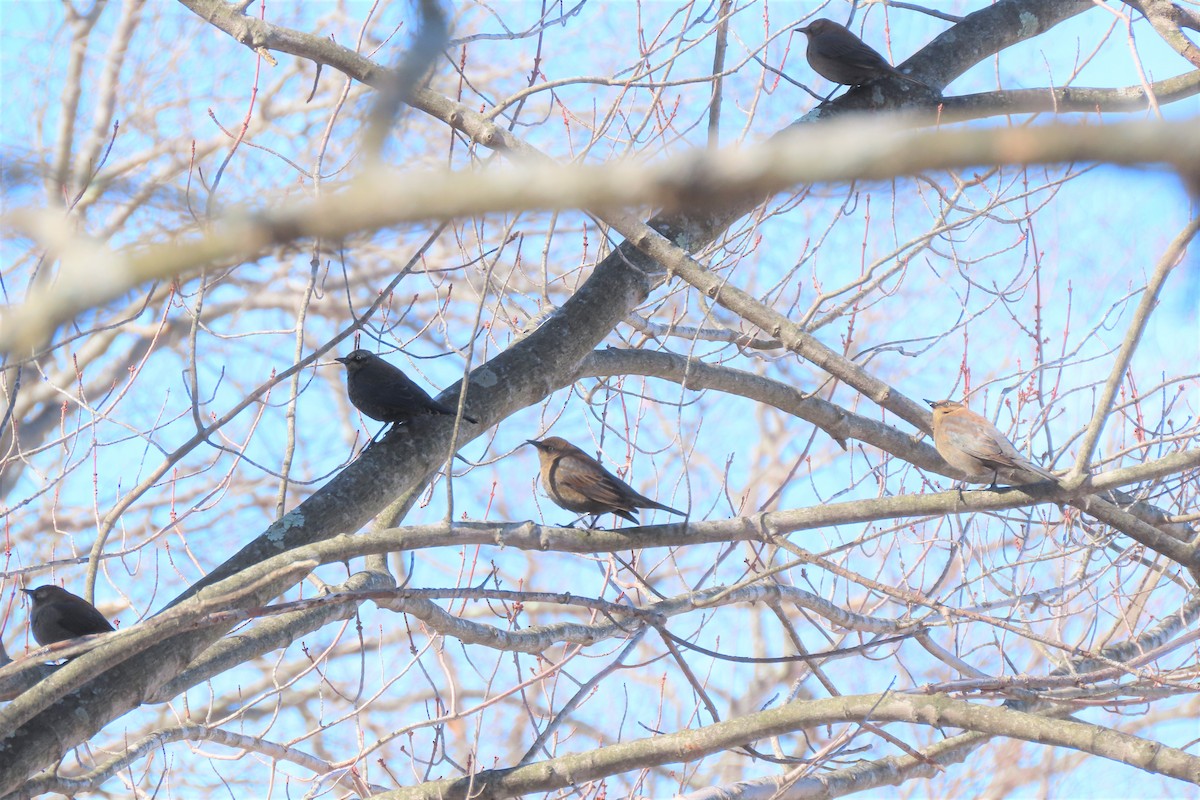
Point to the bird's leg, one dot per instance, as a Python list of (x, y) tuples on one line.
[(378, 434)]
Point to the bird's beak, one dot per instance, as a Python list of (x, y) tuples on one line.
[(932, 403), (534, 442), (28, 592), (342, 360), (802, 30)]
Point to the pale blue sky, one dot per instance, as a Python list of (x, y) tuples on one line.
[(1096, 240)]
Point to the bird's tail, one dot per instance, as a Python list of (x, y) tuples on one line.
[(661, 507), (1034, 468), (911, 79)]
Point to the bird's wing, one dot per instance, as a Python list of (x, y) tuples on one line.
[(975, 440), (403, 386), (81, 620), (990, 446), (400, 384), (852, 52), (594, 482)]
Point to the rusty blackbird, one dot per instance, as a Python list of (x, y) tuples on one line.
[(972, 444), (384, 393), (58, 615), (838, 55), (577, 482)]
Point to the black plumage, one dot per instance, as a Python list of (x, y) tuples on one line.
[(58, 615), (835, 53), (384, 393)]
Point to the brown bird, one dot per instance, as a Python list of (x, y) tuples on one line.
[(58, 615), (838, 55), (577, 482), (384, 393), (972, 445)]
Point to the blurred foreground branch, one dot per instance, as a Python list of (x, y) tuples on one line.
[(851, 150)]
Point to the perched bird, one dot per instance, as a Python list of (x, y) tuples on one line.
[(838, 55), (577, 482), (971, 444), (384, 393), (58, 615)]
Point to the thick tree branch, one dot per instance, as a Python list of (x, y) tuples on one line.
[(514, 380), (686, 746), (877, 148)]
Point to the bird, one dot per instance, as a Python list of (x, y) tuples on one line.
[(384, 393), (838, 55), (971, 444), (58, 615), (577, 482)]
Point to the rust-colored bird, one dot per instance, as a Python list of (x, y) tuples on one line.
[(577, 482), (973, 445), (58, 615), (838, 55)]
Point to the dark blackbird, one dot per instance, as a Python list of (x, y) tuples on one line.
[(384, 393), (838, 55), (577, 482), (58, 615), (972, 444)]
